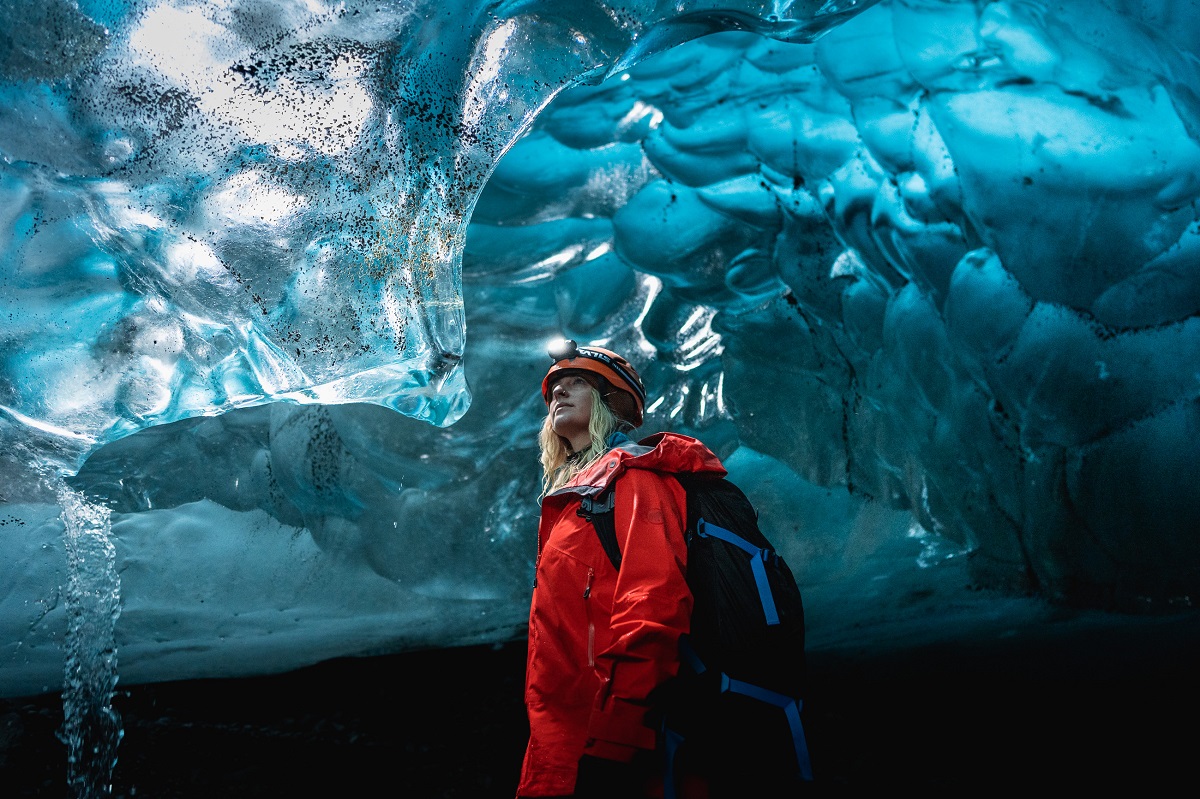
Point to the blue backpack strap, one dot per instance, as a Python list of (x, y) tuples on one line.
[(672, 740), (791, 708), (758, 557), (671, 743)]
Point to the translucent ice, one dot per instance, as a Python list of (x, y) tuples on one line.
[(210, 204), (923, 272)]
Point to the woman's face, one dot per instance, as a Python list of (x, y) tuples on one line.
[(571, 409)]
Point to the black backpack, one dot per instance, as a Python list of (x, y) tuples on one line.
[(734, 711)]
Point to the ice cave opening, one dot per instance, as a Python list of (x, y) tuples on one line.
[(276, 281)]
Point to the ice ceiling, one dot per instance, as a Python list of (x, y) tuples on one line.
[(276, 279)]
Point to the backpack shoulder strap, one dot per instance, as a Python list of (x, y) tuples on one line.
[(599, 511)]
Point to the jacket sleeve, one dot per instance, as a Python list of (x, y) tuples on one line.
[(652, 608)]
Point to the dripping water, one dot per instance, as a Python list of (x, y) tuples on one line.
[(91, 728)]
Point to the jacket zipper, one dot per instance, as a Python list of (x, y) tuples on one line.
[(591, 639), (537, 558)]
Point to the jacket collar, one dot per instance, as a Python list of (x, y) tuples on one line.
[(669, 453)]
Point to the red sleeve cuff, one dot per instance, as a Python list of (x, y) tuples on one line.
[(622, 723), (610, 751)]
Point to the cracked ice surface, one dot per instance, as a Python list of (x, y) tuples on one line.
[(923, 272)]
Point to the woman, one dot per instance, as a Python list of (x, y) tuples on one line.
[(601, 639)]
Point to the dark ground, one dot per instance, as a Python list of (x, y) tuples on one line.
[(1069, 709)]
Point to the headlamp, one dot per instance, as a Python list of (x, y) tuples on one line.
[(563, 349)]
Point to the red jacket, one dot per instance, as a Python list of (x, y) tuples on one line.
[(600, 641)]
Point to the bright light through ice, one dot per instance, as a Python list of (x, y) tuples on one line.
[(341, 107), (602, 249), (182, 46), (484, 71), (637, 113), (177, 42), (681, 401), (190, 261), (652, 287), (848, 263), (247, 197), (38, 424), (76, 388), (559, 259), (697, 340)]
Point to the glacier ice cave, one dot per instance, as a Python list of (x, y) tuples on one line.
[(276, 279)]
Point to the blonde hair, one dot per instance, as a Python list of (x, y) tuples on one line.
[(559, 463)]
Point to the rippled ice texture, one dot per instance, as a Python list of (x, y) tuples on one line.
[(212, 204), (923, 272)]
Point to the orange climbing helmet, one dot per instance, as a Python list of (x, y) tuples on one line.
[(623, 390)]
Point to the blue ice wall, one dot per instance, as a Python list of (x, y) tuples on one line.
[(942, 257), (211, 205), (923, 272)]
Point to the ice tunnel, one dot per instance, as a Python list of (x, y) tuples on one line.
[(276, 278)]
